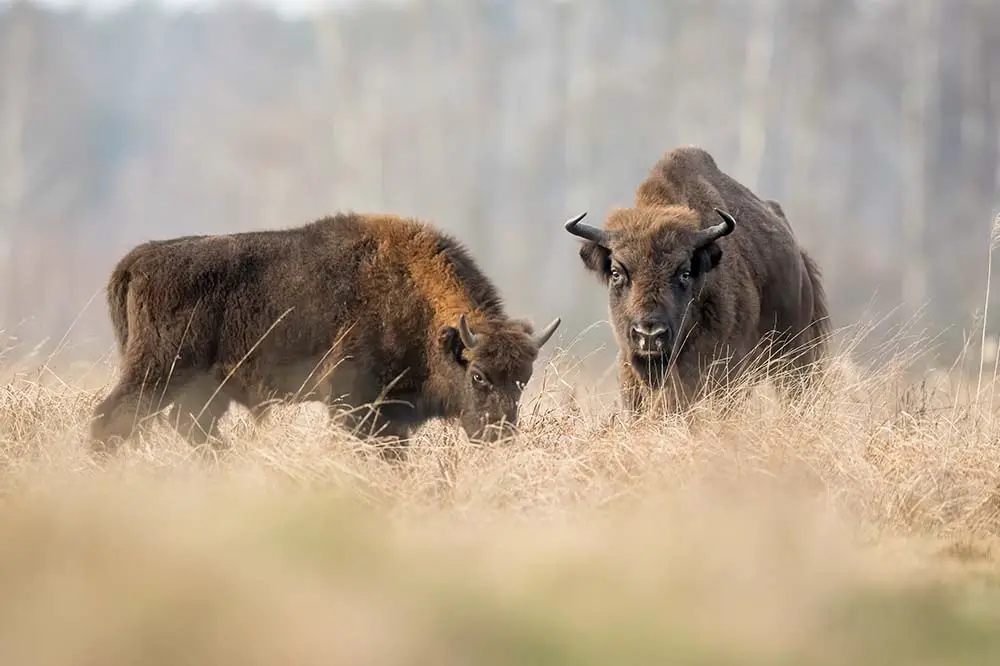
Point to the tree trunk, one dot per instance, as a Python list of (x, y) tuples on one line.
[(918, 95), (17, 41), (756, 76)]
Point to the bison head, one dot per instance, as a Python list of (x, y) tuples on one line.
[(654, 261), (490, 367)]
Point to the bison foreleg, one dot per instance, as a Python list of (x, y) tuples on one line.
[(630, 389), (386, 425), (198, 411)]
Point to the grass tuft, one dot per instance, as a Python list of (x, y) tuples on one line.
[(860, 524)]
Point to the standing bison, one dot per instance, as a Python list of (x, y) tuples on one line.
[(701, 270), (383, 315)]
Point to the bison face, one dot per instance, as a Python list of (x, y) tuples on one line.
[(654, 262), (488, 370)]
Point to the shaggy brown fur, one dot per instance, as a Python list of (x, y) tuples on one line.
[(364, 308), (689, 284)]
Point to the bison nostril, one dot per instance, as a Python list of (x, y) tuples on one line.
[(647, 336)]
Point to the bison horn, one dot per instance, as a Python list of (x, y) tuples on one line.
[(468, 339), (544, 336), (586, 231), (714, 233)]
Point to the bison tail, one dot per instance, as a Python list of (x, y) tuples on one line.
[(821, 327), (117, 295)]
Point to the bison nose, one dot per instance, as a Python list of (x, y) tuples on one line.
[(649, 336)]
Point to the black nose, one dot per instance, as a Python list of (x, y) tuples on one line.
[(649, 336)]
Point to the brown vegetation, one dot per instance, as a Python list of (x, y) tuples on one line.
[(853, 525)]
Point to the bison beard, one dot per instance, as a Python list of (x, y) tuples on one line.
[(383, 316), (688, 285)]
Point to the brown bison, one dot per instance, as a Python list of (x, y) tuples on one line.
[(699, 271), (385, 316)]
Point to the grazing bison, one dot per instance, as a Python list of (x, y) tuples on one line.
[(702, 270), (349, 310)]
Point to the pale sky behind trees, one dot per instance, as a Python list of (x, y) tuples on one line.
[(286, 7), (875, 123)]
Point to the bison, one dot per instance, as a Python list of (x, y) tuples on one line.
[(381, 315), (699, 271)]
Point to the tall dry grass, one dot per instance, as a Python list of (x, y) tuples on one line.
[(856, 524)]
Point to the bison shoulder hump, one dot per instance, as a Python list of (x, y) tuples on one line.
[(690, 158)]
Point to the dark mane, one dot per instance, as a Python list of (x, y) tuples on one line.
[(480, 291)]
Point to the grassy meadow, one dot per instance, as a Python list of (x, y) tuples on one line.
[(856, 527)]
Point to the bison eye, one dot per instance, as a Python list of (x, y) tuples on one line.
[(616, 277), (685, 277), (478, 378)]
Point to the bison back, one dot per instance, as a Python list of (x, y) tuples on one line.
[(279, 294)]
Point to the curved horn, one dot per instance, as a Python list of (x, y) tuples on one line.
[(585, 231), (544, 336), (468, 339), (714, 233)]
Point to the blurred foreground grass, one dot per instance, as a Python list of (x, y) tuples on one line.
[(191, 571), (860, 527)]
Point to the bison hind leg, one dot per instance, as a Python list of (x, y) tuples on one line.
[(198, 410), (798, 372), (127, 409)]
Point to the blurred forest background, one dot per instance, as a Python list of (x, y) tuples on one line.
[(876, 124)]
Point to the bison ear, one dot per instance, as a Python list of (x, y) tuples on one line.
[(450, 341), (596, 258), (707, 258), (776, 208)]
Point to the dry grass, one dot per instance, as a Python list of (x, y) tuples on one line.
[(858, 525)]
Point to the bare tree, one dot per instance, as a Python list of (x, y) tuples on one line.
[(18, 45), (919, 92), (496, 118), (754, 111)]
